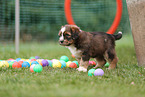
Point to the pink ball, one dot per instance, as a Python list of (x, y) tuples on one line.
[(92, 63), (98, 72), (31, 67)]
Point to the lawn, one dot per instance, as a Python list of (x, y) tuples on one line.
[(128, 80)]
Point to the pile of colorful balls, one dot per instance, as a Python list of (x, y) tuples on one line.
[(36, 64)]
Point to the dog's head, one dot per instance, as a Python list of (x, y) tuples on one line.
[(68, 34)]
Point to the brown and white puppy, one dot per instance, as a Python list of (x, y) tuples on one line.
[(85, 45)]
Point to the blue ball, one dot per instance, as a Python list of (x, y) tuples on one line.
[(34, 62), (18, 59), (63, 64), (25, 64), (49, 63)]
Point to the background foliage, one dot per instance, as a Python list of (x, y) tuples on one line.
[(41, 19)]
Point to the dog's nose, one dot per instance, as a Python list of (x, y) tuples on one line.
[(61, 41)]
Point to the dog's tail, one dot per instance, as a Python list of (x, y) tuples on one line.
[(118, 36)]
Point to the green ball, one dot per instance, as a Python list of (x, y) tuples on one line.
[(91, 72), (32, 57), (10, 64), (64, 58), (37, 68), (107, 64)]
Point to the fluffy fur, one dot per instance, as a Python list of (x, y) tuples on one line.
[(85, 45)]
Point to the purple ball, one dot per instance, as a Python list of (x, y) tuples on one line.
[(37, 57), (98, 72), (44, 63)]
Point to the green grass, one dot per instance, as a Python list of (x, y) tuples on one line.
[(69, 82)]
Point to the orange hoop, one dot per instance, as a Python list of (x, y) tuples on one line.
[(112, 29)]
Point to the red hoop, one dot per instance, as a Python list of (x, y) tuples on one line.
[(112, 29)]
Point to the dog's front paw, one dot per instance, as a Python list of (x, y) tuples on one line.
[(82, 69)]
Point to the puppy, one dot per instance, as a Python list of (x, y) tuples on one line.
[(85, 45)]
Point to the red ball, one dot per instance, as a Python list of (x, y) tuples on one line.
[(10, 59), (94, 63), (20, 62), (33, 59), (73, 65), (16, 65)]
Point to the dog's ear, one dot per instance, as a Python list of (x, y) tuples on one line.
[(75, 30)]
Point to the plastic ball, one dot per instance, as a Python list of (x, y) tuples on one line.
[(68, 63), (32, 57), (37, 68), (91, 72), (10, 59), (44, 63), (34, 62), (98, 72), (107, 64), (37, 57), (53, 60), (64, 58), (11, 63), (73, 56), (92, 63), (76, 63), (16, 65), (63, 64), (50, 63), (4, 64), (73, 65), (20, 62), (25, 64), (23, 59), (1, 65), (56, 64), (31, 67), (18, 59), (39, 61), (29, 62)]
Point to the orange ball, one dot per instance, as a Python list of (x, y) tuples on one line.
[(73, 65), (73, 56)]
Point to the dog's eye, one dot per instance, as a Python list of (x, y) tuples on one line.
[(67, 35)]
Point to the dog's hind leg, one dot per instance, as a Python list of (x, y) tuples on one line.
[(112, 58), (100, 61)]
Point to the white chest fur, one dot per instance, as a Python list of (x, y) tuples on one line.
[(77, 53)]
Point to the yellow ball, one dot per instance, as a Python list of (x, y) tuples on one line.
[(56, 64), (67, 63), (1, 65), (23, 59), (4, 64), (29, 62), (39, 61)]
